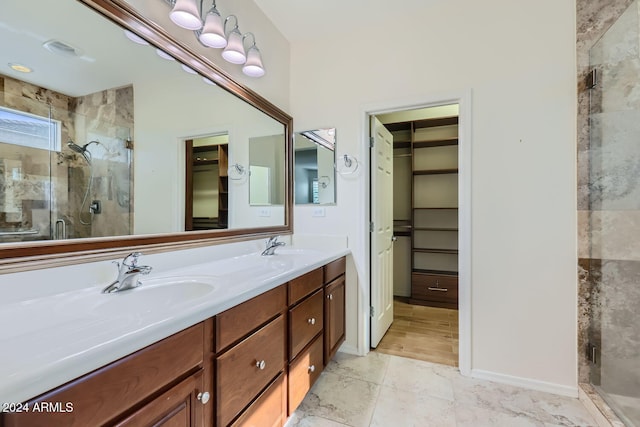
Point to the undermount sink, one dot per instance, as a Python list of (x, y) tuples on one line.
[(157, 294)]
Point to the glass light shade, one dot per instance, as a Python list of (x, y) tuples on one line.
[(234, 52), (186, 14), (253, 67), (135, 38), (212, 34)]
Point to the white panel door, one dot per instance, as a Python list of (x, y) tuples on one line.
[(382, 234)]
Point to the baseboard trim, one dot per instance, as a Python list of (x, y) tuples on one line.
[(547, 387)]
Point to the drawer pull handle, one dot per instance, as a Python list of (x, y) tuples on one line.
[(204, 397), (261, 364), (330, 296), (312, 321), (312, 368), (438, 289)]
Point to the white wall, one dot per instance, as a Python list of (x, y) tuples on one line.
[(518, 60)]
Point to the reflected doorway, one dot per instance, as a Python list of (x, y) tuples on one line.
[(207, 183)]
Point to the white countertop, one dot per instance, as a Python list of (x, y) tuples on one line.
[(49, 340)]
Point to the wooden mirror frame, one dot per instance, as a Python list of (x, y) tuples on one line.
[(47, 253)]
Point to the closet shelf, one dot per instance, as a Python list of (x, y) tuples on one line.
[(434, 229), (435, 171), (436, 251), (435, 208), (435, 143), (205, 162), (439, 272)]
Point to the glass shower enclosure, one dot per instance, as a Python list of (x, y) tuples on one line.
[(614, 197), (65, 163)]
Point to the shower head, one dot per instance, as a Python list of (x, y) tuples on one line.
[(82, 149)]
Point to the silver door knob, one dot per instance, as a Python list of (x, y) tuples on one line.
[(312, 321), (312, 368), (204, 397), (330, 296), (260, 364), (394, 238)]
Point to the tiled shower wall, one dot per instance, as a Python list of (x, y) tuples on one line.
[(601, 251), (106, 116)]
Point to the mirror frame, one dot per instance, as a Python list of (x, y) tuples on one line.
[(28, 256)]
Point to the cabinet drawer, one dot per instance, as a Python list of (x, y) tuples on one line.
[(334, 269), (247, 368), (269, 409), (235, 323), (304, 372), (305, 322), (302, 286), (104, 394), (434, 287)]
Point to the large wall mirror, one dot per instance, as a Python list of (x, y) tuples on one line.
[(315, 174), (97, 131)]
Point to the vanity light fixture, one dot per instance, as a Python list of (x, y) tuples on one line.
[(213, 33), (135, 38), (164, 55), (234, 52), (186, 14), (253, 67)]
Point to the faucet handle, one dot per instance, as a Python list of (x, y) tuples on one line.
[(272, 240), (134, 259)]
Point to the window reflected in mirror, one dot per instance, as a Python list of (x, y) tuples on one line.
[(315, 177)]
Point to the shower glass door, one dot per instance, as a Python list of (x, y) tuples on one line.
[(28, 138), (615, 215)]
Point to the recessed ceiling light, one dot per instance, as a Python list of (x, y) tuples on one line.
[(19, 67), (209, 82)]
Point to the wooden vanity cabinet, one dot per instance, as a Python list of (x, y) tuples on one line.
[(334, 307), (156, 385), (249, 366), (247, 370)]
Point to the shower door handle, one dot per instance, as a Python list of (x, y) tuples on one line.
[(62, 235)]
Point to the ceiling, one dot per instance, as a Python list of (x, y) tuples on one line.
[(107, 58), (306, 20)]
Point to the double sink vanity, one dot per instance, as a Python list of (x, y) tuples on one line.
[(236, 341)]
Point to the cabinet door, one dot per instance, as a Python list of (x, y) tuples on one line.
[(180, 406), (334, 317)]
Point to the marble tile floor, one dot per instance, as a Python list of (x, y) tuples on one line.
[(382, 390), (423, 333)]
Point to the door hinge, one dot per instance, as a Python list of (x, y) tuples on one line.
[(371, 227), (372, 141), (592, 353), (372, 311), (591, 79)]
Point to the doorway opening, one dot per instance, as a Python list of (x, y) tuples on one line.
[(206, 183), (425, 233)]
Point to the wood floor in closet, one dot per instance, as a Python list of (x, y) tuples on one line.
[(423, 333)]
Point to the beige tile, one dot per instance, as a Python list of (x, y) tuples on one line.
[(409, 409), (341, 399), (417, 376), (371, 368)]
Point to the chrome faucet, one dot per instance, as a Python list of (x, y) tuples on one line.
[(128, 273), (272, 245)]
